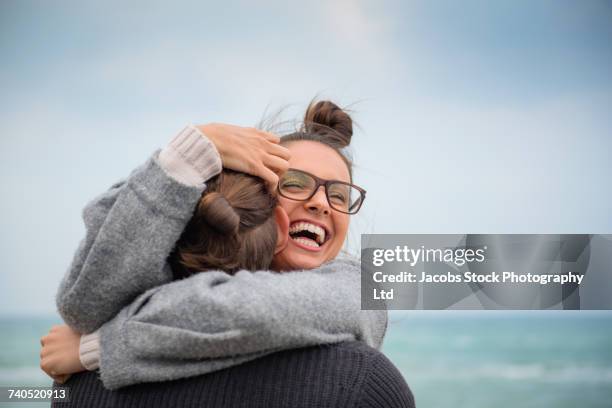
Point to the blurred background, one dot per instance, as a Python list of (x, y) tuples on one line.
[(473, 117)]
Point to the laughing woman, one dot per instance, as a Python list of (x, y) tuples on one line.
[(140, 326)]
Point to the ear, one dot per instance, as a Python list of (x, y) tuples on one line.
[(282, 228)]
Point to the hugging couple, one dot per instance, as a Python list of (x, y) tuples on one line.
[(213, 276)]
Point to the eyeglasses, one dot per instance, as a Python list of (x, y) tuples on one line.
[(299, 185)]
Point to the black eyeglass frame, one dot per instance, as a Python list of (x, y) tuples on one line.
[(322, 182)]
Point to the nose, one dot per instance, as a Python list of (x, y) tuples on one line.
[(318, 203)]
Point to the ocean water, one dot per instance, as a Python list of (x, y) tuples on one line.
[(504, 359), (449, 359)]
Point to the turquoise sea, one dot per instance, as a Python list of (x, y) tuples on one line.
[(449, 359), (504, 359)]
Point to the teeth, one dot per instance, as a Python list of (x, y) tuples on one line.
[(306, 226), (307, 242)]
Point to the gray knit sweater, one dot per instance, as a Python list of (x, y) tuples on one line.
[(153, 329)]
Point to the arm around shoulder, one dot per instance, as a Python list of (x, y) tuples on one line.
[(213, 320), (131, 230)]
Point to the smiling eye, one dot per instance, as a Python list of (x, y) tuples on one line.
[(339, 194), (296, 184), (293, 183)]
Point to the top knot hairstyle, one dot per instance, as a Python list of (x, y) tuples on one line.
[(327, 123), (232, 228)]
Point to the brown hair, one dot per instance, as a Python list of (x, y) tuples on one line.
[(326, 123), (232, 228)]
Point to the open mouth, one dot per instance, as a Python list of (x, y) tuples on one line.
[(308, 234)]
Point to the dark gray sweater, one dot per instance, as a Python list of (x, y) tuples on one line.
[(340, 375)]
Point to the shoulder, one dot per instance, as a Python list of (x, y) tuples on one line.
[(383, 384), (368, 376), (348, 374)]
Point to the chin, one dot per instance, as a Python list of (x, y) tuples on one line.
[(295, 257)]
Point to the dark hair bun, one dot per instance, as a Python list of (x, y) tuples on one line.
[(328, 119), (219, 214)]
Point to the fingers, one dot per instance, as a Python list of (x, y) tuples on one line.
[(253, 151), (273, 147), (48, 341), (271, 137), (61, 379), (52, 367), (50, 349), (250, 131), (269, 177), (48, 367), (54, 329), (276, 164), (278, 150)]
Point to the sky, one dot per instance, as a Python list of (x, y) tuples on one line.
[(471, 116)]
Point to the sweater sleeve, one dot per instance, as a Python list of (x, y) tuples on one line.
[(89, 350), (213, 320), (132, 228)]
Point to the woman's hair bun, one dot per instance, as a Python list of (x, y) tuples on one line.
[(219, 214), (328, 119)]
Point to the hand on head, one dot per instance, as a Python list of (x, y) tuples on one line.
[(249, 150)]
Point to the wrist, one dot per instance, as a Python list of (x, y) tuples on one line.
[(191, 157), (210, 131)]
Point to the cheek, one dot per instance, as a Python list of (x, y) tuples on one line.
[(287, 205), (341, 224)]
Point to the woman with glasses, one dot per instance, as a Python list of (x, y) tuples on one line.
[(141, 327)]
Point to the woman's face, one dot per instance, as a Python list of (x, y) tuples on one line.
[(301, 253)]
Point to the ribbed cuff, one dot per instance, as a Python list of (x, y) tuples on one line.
[(190, 158), (89, 351)]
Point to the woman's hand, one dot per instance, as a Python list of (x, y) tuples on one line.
[(249, 150), (59, 357)]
